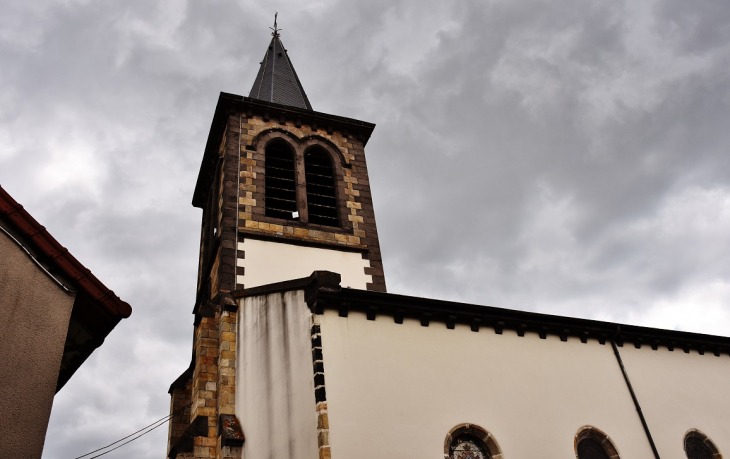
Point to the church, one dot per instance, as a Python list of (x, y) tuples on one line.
[(299, 352)]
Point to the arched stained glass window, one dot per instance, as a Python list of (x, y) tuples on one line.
[(468, 447), (697, 445), (280, 180), (590, 449), (321, 195), (591, 443), (469, 441)]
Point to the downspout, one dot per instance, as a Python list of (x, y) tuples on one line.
[(631, 390)]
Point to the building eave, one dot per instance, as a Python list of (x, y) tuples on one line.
[(96, 308), (323, 292), (45, 243)]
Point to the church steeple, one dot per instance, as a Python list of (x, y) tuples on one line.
[(284, 192), (277, 81)]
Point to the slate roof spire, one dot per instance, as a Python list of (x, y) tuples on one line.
[(277, 81)]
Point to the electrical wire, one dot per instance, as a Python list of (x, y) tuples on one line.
[(159, 422), (38, 263), (129, 441)]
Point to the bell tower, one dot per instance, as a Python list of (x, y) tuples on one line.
[(284, 189), (284, 192)]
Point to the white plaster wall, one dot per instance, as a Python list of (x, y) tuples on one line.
[(268, 262), (678, 392), (395, 391), (274, 377)]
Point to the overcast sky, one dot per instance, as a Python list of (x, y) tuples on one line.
[(563, 156)]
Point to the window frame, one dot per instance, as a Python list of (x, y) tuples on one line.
[(270, 145), (487, 440), (316, 149), (300, 146), (707, 441)]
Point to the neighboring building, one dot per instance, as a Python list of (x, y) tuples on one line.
[(299, 352), (55, 313)]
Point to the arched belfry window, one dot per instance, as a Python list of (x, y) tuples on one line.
[(280, 176), (321, 195), (591, 443), (697, 445), (469, 441)]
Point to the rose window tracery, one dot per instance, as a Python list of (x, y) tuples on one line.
[(467, 447)]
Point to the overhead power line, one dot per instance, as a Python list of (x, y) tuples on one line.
[(156, 424)]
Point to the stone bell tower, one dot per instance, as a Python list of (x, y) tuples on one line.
[(284, 192)]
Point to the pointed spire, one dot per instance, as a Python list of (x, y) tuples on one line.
[(277, 81)]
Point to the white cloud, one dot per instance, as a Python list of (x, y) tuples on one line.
[(156, 30), (405, 42), (700, 307)]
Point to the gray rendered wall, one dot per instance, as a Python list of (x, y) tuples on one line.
[(36, 313)]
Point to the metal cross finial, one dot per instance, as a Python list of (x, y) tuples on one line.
[(275, 28)]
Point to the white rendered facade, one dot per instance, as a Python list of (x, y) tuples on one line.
[(396, 390), (267, 262)]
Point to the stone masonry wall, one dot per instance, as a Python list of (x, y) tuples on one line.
[(226, 383), (204, 384), (179, 406), (209, 388), (320, 394), (358, 229)]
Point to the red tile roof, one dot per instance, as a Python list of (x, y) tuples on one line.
[(46, 244)]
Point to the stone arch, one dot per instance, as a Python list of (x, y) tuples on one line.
[(486, 439), (696, 434), (265, 136), (328, 145), (301, 144), (598, 436)]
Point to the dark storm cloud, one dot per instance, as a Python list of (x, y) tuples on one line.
[(598, 109), (566, 156)]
